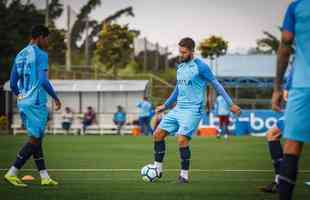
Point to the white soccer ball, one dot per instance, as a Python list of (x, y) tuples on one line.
[(149, 173)]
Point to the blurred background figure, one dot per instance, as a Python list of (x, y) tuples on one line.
[(145, 115), (119, 118), (222, 110), (89, 118), (67, 118)]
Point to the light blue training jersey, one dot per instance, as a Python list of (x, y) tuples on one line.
[(297, 21), (28, 63)]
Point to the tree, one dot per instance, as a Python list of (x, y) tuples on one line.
[(269, 44), (57, 46), (16, 19), (115, 46), (213, 47), (94, 26)]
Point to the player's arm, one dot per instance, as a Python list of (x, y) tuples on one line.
[(170, 101), (206, 73), (14, 80), (283, 57), (45, 83)]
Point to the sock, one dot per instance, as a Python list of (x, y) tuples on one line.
[(159, 151), (159, 165), (44, 174), (276, 153), (24, 155), (13, 171), (184, 173), (38, 157), (288, 176), (185, 155)]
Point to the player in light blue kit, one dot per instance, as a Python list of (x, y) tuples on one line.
[(273, 136), (189, 95), (30, 84), (295, 32), (222, 110)]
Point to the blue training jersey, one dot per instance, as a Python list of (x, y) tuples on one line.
[(27, 66), (192, 78), (145, 108), (119, 117), (297, 21), (221, 107)]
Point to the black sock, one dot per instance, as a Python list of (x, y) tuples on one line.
[(288, 176), (23, 155), (185, 154), (159, 151), (39, 157), (276, 153)]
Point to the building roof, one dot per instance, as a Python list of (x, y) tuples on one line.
[(263, 66), (96, 85)]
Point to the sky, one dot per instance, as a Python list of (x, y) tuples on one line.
[(240, 22)]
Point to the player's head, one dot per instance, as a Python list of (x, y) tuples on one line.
[(186, 49), (119, 108), (145, 98), (39, 35)]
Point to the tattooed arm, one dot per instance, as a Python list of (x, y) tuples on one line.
[(283, 58)]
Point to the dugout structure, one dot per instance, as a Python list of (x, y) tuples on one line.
[(103, 95)]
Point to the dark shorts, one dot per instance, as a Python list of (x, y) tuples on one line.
[(66, 125), (224, 120)]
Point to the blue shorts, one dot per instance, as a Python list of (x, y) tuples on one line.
[(34, 118), (181, 122), (297, 115), (280, 124)]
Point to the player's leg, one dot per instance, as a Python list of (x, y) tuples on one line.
[(167, 125), (159, 148), (296, 132), (289, 169), (22, 157), (189, 121), (221, 125), (225, 127), (38, 157), (276, 153), (185, 156)]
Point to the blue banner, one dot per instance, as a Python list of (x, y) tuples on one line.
[(250, 121)]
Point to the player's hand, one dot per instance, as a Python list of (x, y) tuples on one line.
[(285, 95), (57, 105), (276, 101), (235, 109), (160, 108)]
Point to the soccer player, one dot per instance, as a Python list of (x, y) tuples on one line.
[(145, 115), (30, 84), (295, 30), (222, 110), (273, 137), (189, 95)]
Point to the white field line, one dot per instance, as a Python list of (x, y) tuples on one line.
[(135, 170)]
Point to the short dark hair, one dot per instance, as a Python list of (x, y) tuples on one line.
[(39, 30), (188, 43)]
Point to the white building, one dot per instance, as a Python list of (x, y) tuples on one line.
[(103, 95)]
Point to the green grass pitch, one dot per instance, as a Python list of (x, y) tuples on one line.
[(108, 167)]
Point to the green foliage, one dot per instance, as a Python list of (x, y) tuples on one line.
[(214, 172), (213, 47), (57, 46), (269, 44), (55, 9), (16, 20), (115, 46)]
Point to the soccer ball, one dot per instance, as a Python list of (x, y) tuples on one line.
[(149, 173)]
